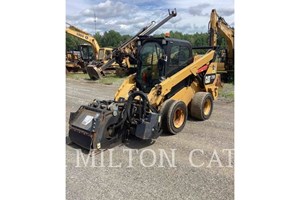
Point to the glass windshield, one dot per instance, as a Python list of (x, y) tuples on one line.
[(87, 52), (149, 56)]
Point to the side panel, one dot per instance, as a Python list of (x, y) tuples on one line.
[(127, 85), (186, 94), (157, 94)]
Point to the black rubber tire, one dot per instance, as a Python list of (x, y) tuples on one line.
[(198, 104), (164, 113), (169, 109), (69, 69), (75, 69)]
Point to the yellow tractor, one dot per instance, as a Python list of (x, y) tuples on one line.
[(72, 61)]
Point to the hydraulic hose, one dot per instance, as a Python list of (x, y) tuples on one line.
[(130, 101)]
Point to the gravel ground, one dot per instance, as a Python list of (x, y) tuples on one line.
[(214, 179)]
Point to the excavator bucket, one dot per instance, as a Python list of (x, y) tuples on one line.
[(94, 72)]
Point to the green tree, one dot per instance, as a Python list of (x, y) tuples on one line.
[(111, 39), (125, 38), (72, 42), (98, 37)]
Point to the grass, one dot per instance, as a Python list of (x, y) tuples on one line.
[(227, 92), (108, 79), (77, 76)]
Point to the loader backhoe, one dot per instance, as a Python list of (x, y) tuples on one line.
[(98, 55), (219, 27), (169, 84)]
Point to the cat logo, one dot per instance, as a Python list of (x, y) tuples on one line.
[(210, 78)]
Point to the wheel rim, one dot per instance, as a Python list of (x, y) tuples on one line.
[(207, 107), (178, 118)]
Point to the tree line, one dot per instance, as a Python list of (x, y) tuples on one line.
[(113, 39)]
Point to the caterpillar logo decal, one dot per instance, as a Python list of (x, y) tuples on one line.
[(210, 78)]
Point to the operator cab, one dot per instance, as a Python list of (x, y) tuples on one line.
[(160, 58), (105, 54), (86, 52)]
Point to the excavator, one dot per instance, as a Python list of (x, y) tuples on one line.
[(88, 52), (219, 27), (169, 84)]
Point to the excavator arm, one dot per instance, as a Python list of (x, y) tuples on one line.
[(218, 25), (72, 30)]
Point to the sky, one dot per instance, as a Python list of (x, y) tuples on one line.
[(128, 17)]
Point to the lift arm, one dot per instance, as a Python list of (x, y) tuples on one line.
[(129, 47)]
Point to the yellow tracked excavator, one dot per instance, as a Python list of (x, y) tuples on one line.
[(219, 27), (90, 52), (169, 84)]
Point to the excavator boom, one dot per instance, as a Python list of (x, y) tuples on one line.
[(218, 25), (72, 30)]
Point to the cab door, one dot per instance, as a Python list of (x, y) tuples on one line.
[(179, 55)]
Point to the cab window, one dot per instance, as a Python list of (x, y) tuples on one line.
[(149, 58), (179, 58)]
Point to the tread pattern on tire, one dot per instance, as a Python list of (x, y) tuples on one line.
[(167, 111), (164, 112), (197, 103)]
